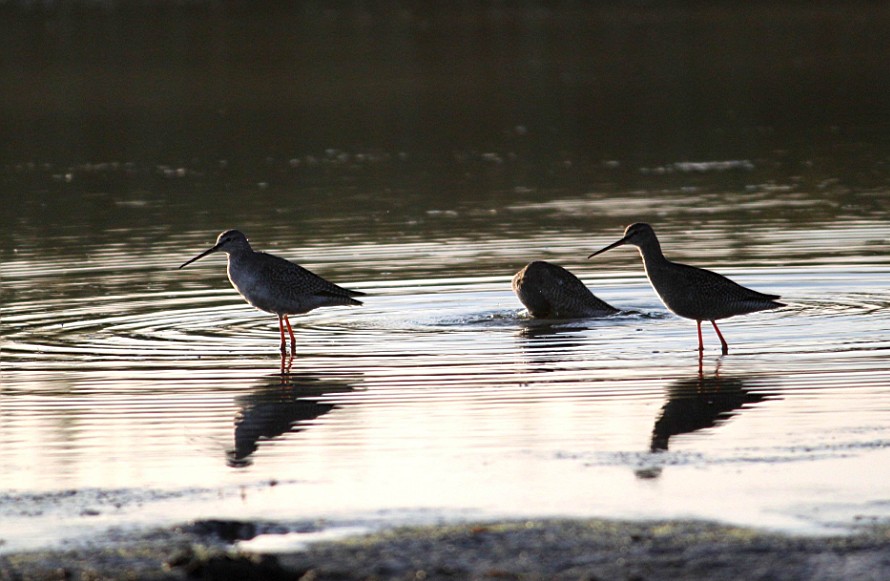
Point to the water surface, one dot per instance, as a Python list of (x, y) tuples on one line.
[(137, 393)]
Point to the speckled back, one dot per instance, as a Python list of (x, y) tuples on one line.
[(550, 291)]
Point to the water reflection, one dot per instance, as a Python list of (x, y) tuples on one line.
[(547, 341), (550, 340), (279, 405), (701, 402), (540, 332)]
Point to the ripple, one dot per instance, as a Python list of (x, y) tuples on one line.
[(434, 383), (172, 325), (848, 304)]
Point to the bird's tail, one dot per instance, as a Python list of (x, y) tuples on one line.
[(342, 298)]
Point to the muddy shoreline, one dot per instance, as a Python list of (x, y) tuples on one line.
[(535, 549)]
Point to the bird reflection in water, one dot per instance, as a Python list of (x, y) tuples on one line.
[(287, 361), (542, 334), (701, 402), (279, 406), (545, 345)]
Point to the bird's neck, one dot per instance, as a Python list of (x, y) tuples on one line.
[(653, 258), (236, 255)]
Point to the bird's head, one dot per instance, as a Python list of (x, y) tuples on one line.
[(228, 241), (639, 234)]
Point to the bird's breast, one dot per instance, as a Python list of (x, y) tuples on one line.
[(247, 279), (676, 290)]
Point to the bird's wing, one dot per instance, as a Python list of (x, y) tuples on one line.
[(709, 280), (301, 280)]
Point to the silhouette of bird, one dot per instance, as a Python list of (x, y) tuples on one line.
[(276, 285), (552, 292), (276, 408), (691, 292), (703, 402)]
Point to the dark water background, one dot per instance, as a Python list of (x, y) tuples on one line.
[(423, 154)]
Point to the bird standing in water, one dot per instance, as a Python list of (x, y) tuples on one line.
[(276, 285), (550, 291), (690, 292)]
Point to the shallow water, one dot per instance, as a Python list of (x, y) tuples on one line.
[(136, 394)]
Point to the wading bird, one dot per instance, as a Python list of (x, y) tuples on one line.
[(549, 291), (276, 285), (690, 292)]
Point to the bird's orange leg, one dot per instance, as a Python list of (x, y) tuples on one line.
[(722, 340), (293, 340), (701, 344), (281, 331)]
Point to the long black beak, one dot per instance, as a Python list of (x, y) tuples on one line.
[(609, 247), (202, 255)]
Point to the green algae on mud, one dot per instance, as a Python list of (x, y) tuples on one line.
[(537, 549)]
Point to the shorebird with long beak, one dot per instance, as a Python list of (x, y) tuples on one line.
[(691, 292), (276, 285)]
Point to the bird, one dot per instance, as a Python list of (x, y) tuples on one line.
[(552, 292), (276, 285), (689, 291)]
